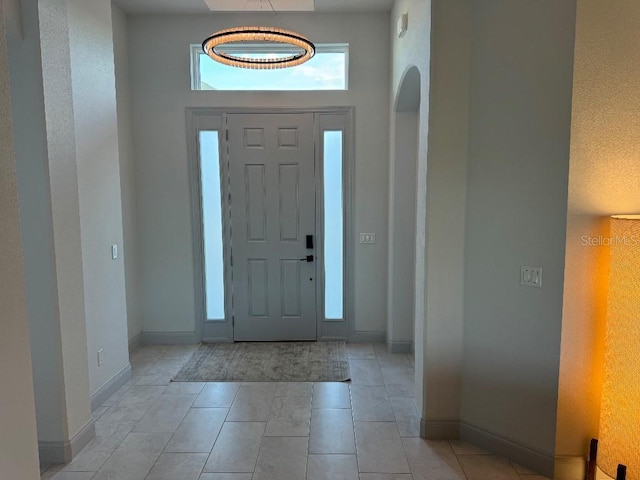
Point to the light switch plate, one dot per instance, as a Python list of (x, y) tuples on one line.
[(114, 252), (531, 277)]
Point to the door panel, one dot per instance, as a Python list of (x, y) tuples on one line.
[(272, 186)]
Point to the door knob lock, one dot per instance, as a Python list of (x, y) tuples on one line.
[(308, 258)]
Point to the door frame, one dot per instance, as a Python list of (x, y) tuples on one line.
[(214, 118)]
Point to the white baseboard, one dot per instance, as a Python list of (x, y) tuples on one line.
[(399, 347), (170, 338), (135, 343), (570, 467), (537, 461), (67, 450), (112, 386)]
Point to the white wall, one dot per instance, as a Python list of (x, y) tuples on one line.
[(521, 71), (18, 443), (96, 136), (36, 223), (71, 331), (160, 84), (445, 217), (414, 50), (127, 184), (604, 179)]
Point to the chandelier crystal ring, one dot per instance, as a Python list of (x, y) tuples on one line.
[(214, 45)]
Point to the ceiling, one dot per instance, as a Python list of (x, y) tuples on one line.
[(199, 6)]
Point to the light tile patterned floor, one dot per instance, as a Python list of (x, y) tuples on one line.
[(367, 429)]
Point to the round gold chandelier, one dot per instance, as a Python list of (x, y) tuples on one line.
[(214, 45)]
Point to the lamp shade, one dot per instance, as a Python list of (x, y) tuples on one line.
[(619, 433)]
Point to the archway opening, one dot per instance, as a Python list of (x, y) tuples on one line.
[(402, 211)]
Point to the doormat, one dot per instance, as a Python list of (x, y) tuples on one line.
[(267, 362)]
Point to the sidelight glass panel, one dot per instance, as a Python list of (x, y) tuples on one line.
[(333, 226), (212, 225)]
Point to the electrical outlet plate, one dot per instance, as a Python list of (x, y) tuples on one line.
[(531, 277), (114, 252), (368, 238)]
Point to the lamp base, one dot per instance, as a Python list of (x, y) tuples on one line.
[(593, 472)]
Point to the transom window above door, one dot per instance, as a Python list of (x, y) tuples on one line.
[(327, 70)]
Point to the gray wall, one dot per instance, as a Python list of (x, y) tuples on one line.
[(18, 451), (127, 183), (161, 91), (521, 86)]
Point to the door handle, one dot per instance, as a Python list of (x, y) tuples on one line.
[(308, 258)]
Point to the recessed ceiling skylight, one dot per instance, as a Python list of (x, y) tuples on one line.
[(257, 5)]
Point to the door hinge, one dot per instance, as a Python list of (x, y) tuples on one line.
[(229, 199), (233, 321), (232, 260), (226, 135)]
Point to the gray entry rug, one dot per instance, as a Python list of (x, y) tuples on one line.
[(267, 362)]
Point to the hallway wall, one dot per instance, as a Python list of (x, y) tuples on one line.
[(18, 443), (520, 119)]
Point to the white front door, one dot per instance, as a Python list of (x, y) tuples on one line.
[(273, 211)]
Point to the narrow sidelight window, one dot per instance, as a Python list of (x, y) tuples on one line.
[(333, 225), (212, 225)]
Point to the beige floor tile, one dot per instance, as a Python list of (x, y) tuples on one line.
[(67, 475), (401, 391), (174, 466), (289, 417), (198, 431), (165, 414), (361, 350), (397, 375), (236, 448), (98, 412), (185, 388), (226, 476), (139, 396), (371, 404), (380, 448), (487, 467), (386, 476), (141, 364), (365, 372), (282, 458), (294, 389), (110, 434), (332, 467), (406, 415), (464, 448), (252, 403), (217, 395), (166, 366), (332, 432), (134, 458), (432, 460), (179, 352), (90, 459), (159, 379), (522, 470), (331, 395), (540, 477)]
